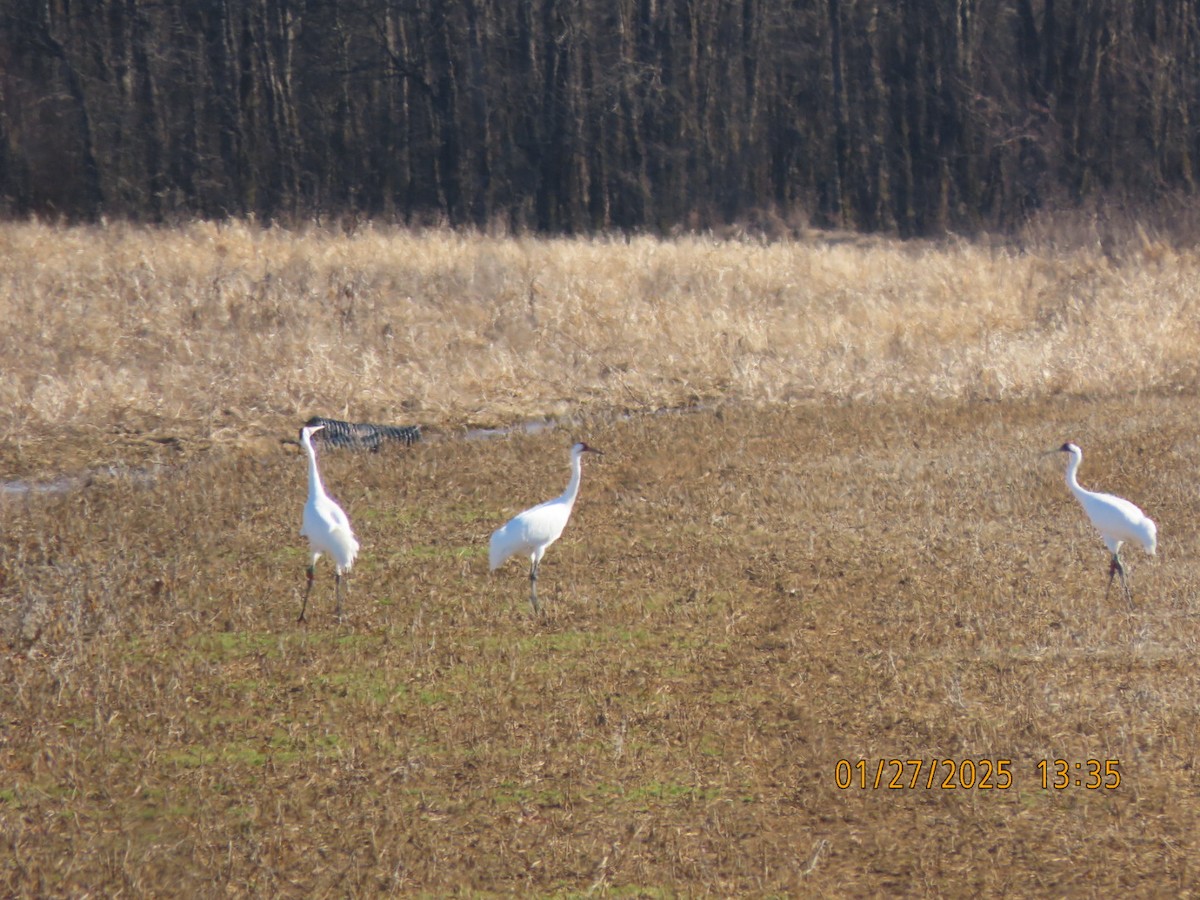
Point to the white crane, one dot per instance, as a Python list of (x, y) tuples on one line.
[(531, 532), (1115, 518), (325, 525)]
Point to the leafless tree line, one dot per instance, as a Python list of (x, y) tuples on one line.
[(567, 116)]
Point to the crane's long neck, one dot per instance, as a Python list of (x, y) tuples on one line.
[(1072, 476), (572, 491), (315, 488)]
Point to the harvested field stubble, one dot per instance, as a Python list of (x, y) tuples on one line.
[(747, 594), (744, 598)]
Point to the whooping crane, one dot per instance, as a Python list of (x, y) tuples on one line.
[(1115, 518), (531, 532), (325, 525)]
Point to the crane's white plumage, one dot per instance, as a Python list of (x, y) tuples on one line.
[(325, 525), (531, 532), (1117, 520)]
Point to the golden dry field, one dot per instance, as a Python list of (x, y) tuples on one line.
[(822, 537)]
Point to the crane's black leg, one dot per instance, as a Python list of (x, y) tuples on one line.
[(307, 591), (337, 611), (1124, 581), (533, 586), (1117, 568)]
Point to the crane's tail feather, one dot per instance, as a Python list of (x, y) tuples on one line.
[(496, 558), (349, 548), (498, 550)]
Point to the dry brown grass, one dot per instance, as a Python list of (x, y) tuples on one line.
[(223, 331), (880, 567)]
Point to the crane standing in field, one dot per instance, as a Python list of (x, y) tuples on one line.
[(531, 532), (1115, 518), (325, 525)]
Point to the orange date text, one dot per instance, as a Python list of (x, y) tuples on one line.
[(930, 774)]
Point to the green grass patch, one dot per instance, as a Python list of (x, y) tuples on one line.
[(430, 551)]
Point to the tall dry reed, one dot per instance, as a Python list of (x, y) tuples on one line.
[(212, 325)]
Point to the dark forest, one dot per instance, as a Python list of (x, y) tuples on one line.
[(915, 117)]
